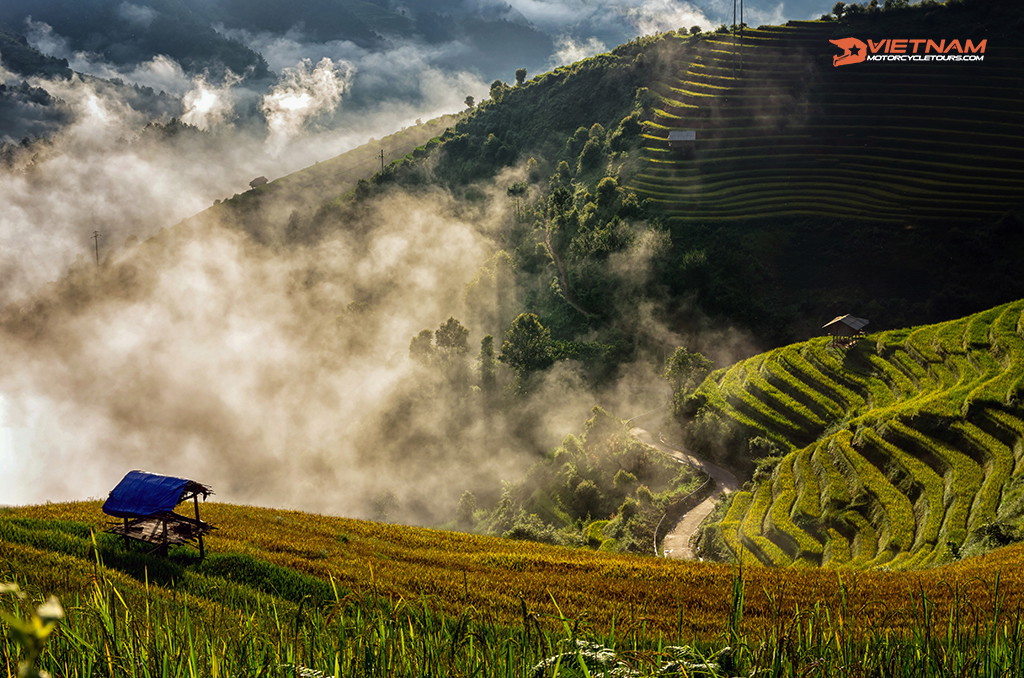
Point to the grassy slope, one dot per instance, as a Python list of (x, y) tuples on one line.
[(265, 212), (46, 549), (902, 451)]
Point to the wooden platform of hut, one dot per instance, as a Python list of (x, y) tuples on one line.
[(164, 531)]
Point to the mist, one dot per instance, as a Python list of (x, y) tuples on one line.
[(204, 354), (281, 376), (278, 375)]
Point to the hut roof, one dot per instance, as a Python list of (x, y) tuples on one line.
[(141, 494), (850, 321), (682, 135)]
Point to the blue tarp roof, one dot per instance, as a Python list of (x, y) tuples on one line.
[(141, 494)]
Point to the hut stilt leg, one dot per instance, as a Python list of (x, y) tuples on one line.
[(202, 547)]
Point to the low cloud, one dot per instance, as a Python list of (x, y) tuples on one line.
[(406, 73), (658, 16), (568, 50), (137, 15), (303, 93), (280, 376), (96, 174), (208, 106)]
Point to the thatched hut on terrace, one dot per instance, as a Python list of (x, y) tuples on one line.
[(683, 141), (145, 503), (845, 330)]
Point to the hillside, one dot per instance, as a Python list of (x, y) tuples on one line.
[(902, 451), (263, 557), (781, 132), (274, 212), (282, 590), (535, 205), (891, 186)]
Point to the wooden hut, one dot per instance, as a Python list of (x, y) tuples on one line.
[(683, 141), (145, 503), (845, 330)]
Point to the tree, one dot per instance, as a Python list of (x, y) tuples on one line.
[(586, 500), (470, 102), (838, 9), (420, 348), (516, 191), (527, 345), (606, 190), (486, 360), (694, 30), (686, 369), (452, 338), (497, 90), (467, 507), (533, 169), (590, 156), (520, 76), (562, 176)]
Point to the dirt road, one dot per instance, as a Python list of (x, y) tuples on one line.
[(676, 543)]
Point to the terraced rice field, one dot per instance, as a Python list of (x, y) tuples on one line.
[(781, 132), (898, 449)]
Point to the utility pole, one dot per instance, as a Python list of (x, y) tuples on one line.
[(382, 160), (737, 30), (96, 239), (741, 34)]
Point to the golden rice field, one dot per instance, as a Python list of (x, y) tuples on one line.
[(504, 582)]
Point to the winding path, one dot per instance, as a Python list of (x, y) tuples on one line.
[(676, 543)]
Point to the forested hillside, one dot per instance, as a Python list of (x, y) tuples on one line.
[(808, 186)]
